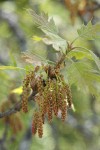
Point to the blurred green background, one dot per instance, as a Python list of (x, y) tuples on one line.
[(81, 131)]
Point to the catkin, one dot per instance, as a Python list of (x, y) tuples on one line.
[(52, 95)]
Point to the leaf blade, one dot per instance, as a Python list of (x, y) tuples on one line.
[(10, 68), (83, 75), (49, 28), (93, 56), (89, 31)]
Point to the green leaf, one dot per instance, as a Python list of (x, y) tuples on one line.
[(92, 56), (79, 54), (96, 59), (32, 57), (89, 31), (84, 76), (57, 42), (43, 22), (10, 68), (49, 28)]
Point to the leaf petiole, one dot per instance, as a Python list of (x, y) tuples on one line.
[(74, 40)]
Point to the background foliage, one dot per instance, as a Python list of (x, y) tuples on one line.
[(19, 34)]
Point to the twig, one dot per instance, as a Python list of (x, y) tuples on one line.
[(61, 60), (17, 107)]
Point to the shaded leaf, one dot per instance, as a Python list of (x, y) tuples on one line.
[(30, 58), (35, 59), (91, 54), (83, 76)]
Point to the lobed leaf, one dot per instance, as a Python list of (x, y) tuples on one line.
[(89, 55), (49, 28), (83, 76), (57, 42), (89, 31), (43, 22), (79, 54)]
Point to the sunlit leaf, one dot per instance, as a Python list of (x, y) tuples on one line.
[(73, 108), (43, 22), (10, 68), (89, 31), (79, 54), (17, 90), (36, 38), (49, 28)]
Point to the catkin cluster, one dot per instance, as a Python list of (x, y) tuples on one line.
[(53, 95)]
